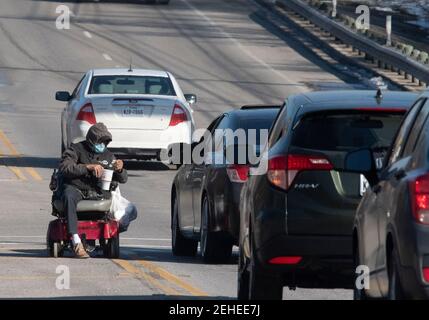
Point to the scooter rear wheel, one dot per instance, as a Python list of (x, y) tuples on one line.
[(55, 249), (111, 248)]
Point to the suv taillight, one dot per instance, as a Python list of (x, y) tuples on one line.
[(178, 116), (282, 170), (86, 113), (426, 274), (420, 196), (237, 172)]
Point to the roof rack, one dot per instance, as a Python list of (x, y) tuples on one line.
[(260, 106)]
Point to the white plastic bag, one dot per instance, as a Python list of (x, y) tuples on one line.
[(122, 210)]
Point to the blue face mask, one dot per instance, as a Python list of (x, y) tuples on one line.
[(99, 147)]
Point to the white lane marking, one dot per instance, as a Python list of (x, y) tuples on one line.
[(107, 57), (87, 34), (242, 48)]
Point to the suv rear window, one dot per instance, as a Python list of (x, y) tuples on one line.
[(131, 85), (256, 123), (340, 131)]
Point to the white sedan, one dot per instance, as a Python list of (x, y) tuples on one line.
[(145, 110)]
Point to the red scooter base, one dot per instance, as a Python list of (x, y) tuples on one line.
[(105, 231)]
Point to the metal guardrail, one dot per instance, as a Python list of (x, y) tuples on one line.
[(382, 54)]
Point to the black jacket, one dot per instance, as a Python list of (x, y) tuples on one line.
[(74, 160)]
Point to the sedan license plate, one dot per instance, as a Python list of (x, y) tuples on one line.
[(133, 111)]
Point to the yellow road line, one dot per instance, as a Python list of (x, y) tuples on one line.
[(34, 173), (18, 173), (8, 144), (127, 266), (171, 278), (14, 152)]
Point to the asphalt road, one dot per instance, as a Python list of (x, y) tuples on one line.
[(224, 51)]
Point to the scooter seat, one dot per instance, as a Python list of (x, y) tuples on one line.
[(86, 205)]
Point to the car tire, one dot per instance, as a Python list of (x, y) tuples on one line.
[(181, 246), (358, 294), (263, 286), (215, 247), (243, 278), (395, 288)]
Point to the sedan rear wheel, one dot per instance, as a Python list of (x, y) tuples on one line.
[(215, 247), (243, 279), (395, 287)]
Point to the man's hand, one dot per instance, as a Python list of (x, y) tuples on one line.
[(118, 165), (96, 169)]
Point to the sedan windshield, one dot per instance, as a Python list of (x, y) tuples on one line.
[(131, 85)]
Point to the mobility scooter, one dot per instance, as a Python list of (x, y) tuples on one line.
[(94, 224)]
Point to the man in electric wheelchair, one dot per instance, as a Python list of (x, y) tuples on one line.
[(81, 169)]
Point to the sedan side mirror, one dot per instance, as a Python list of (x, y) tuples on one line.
[(362, 161), (62, 96), (191, 98)]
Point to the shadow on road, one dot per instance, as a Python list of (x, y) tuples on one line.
[(128, 253), (25, 253), (166, 255), (53, 163), (28, 161), (135, 165)]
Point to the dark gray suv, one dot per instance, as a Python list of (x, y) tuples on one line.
[(297, 215), (391, 230)]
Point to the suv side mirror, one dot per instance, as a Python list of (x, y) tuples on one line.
[(362, 161), (62, 96), (191, 98)]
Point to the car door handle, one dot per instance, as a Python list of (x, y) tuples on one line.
[(399, 174)]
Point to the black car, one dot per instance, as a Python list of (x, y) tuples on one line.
[(205, 196), (298, 206), (391, 230)]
